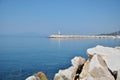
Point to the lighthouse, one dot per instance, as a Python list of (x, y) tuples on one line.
[(59, 33)]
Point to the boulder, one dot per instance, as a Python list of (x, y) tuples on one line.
[(69, 74), (32, 78), (96, 69), (37, 76), (118, 75), (77, 61), (58, 77), (109, 54)]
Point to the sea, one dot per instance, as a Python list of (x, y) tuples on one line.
[(23, 56)]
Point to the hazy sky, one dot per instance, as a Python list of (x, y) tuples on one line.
[(68, 16)]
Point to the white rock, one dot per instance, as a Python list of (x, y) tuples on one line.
[(58, 77), (77, 61), (118, 75), (37, 76), (68, 74), (32, 78), (101, 50), (110, 55), (96, 69)]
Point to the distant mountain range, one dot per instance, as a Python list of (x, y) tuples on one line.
[(112, 34)]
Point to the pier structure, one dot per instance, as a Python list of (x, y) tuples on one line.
[(80, 36)]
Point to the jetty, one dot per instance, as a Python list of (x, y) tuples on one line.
[(59, 35), (81, 36)]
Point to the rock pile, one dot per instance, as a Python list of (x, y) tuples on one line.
[(103, 63)]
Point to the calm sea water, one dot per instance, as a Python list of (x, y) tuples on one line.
[(21, 57)]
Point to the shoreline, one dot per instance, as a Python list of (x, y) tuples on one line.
[(82, 36)]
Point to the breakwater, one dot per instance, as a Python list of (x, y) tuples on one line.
[(82, 36)]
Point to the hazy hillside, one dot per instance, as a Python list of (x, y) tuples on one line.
[(114, 33)]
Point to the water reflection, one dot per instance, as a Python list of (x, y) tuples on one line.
[(85, 41), (58, 40)]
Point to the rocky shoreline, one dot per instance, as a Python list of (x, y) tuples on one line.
[(103, 63)]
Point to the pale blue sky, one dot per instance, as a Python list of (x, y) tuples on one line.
[(68, 16)]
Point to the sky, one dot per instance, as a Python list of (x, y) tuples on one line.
[(83, 17)]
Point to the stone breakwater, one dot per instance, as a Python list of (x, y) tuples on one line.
[(81, 36), (103, 63)]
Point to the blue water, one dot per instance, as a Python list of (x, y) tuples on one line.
[(21, 57)]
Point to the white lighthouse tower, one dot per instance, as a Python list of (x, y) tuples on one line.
[(59, 33)]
